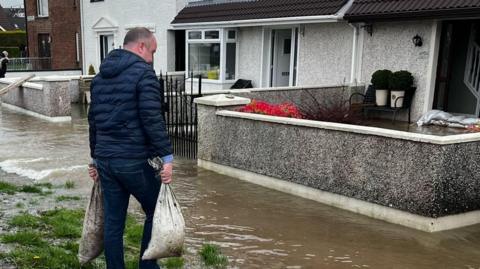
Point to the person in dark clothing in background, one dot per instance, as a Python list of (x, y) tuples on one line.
[(126, 130), (3, 63)]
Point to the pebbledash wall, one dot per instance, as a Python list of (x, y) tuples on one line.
[(420, 181), (48, 97), (250, 54), (390, 47), (324, 54)]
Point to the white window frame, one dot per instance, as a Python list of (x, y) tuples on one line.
[(222, 40), (39, 8), (77, 45), (98, 48), (224, 59), (266, 60)]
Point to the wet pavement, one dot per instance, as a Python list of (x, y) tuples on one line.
[(255, 227)]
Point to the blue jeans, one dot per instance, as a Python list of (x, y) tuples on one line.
[(120, 178)]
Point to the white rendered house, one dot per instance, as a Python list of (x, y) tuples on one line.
[(105, 23)]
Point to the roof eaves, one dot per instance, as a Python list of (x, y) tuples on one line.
[(259, 22), (419, 14)]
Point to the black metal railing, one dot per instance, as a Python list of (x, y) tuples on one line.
[(180, 112), (30, 64)]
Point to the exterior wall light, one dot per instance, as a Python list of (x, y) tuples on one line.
[(417, 41), (368, 28)]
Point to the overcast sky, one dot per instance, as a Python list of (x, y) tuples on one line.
[(9, 3)]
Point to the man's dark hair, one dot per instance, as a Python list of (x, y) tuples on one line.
[(136, 34)]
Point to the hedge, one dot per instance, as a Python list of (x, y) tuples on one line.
[(12, 51), (13, 38)]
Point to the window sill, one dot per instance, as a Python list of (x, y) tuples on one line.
[(213, 81)]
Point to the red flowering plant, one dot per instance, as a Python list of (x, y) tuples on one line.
[(280, 110), (474, 127)]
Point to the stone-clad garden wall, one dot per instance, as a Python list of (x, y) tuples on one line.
[(47, 98), (425, 175)]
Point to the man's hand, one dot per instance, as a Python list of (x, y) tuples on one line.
[(92, 172), (166, 173)]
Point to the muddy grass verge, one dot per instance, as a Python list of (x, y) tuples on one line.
[(41, 229)]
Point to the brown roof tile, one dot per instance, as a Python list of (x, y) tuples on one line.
[(258, 9), (4, 20), (363, 10)]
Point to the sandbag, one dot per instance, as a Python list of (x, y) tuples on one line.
[(441, 118), (91, 244), (168, 231)]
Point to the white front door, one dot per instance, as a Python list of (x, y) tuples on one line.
[(472, 68), (106, 45), (281, 60)]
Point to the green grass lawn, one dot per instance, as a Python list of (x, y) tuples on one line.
[(49, 239)]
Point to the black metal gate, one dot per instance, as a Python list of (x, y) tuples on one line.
[(181, 112)]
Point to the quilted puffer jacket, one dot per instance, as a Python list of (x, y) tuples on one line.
[(125, 114)]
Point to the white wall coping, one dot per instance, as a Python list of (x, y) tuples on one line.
[(271, 89), (173, 73), (222, 100), (358, 129), (24, 85), (297, 88), (37, 115), (56, 78)]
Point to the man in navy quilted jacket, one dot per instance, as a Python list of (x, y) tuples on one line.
[(126, 129)]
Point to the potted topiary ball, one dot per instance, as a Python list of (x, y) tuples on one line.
[(380, 81), (400, 82), (91, 70)]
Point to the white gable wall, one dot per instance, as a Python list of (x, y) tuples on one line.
[(391, 47), (250, 54), (325, 54), (123, 14)]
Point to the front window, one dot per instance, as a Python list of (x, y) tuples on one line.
[(212, 54), (195, 35), (212, 35), (231, 56), (42, 8), (204, 59)]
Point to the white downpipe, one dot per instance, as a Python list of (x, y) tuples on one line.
[(432, 66), (354, 67), (82, 37)]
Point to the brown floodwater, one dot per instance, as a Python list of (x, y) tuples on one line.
[(254, 226)]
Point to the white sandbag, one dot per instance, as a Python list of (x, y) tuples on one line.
[(168, 231), (91, 244), (433, 115), (441, 118), (470, 121), (456, 119)]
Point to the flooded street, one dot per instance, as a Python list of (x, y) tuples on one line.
[(254, 226)]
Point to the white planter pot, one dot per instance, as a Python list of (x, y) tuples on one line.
[(393, 96), (381, 97)]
